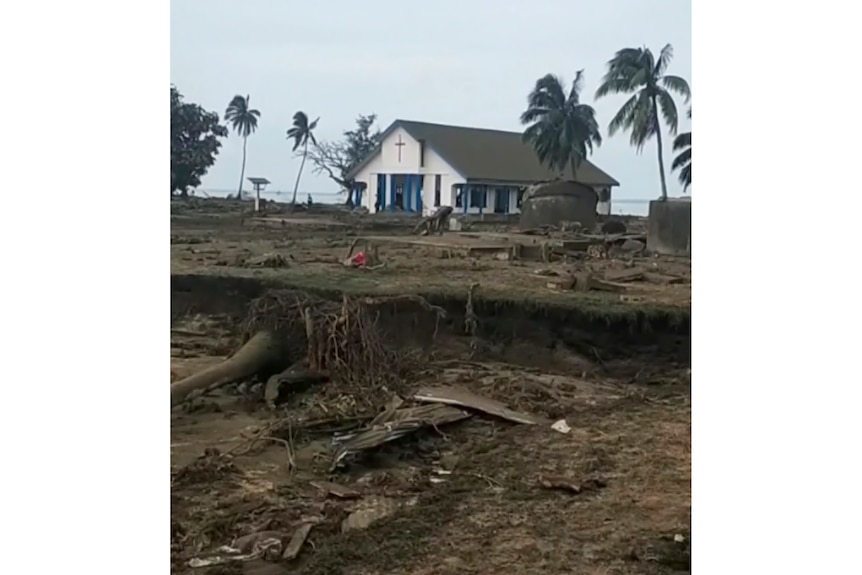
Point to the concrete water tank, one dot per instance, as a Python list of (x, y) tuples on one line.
[(551, 203)]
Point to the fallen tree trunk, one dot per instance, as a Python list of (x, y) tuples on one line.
[(263, 352)]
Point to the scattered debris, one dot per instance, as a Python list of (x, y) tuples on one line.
[(597, 251), (388, 411), (209, 467), (337, 490), (295, 378), (270, 260), (633, 246), (614, 227), (464, 398), (357, 260), (561, 426), (566, 484), (371, 510), (437, 473), (540, 231), (191, 240), (367, 259), (571, 227), (585, 281), (545, 272), (615, 280), (246, 544), (627, 275), (659, 278), (632, 298), (436, 222), (294, 546), (262, 548), (395, 425)]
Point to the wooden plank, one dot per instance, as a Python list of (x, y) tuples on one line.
[(584, 281), (658, 278), (335, 489), (463, 398), (577, 245), (601, 285), (295, 545), (626, 275)]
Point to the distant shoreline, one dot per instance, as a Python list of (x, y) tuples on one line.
[(621, 206)]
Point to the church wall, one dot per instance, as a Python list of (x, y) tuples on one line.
[(386, 162)]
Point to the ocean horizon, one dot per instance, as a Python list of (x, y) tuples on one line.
[(619, 206)]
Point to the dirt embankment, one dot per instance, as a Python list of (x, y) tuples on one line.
[(501, 323), (483, 495)]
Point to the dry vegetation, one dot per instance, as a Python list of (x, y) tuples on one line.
[(447, 493)]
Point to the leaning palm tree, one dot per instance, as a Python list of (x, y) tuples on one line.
[(301, 133), (636, 71), (244, 122), (562, 130), (682, 161)]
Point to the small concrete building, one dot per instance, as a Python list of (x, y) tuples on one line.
[(419, 167)]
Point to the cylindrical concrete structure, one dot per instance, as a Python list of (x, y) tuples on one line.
[(551, 203)]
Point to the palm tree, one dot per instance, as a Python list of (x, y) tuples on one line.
[(562, 131), (682, 161), (301, 133), (636, 71), (244, 122)]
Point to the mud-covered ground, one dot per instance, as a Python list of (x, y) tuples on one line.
[(485, 495), (313, 247)]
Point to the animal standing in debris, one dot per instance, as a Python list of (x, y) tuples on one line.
[(437, 221)]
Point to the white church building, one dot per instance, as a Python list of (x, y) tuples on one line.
[(419, 167)]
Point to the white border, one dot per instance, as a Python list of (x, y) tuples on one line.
[(776, 390), (85, 287), (85, 424)]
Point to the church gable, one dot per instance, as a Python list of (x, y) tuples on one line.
[(400, 151)]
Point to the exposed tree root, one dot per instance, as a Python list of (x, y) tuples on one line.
[(339, 339), (264, 351)]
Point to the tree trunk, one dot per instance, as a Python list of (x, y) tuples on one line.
[(299, 175), (242, 171), (264, 351), (660, 152)]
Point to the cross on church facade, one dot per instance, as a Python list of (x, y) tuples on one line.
[(399, 143)]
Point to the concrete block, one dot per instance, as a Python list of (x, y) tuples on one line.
[(669, 227)]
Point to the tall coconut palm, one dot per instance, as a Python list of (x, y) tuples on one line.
[(636, 71), (301, 133), (562, 130), (682, 161), (244, 122)]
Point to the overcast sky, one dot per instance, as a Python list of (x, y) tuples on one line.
[(463, 62)]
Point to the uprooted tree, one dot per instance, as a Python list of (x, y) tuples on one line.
[(195, 134), (436, 222), (337, 158), (285, 328)]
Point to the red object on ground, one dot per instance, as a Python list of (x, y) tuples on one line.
[(358, 260)]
